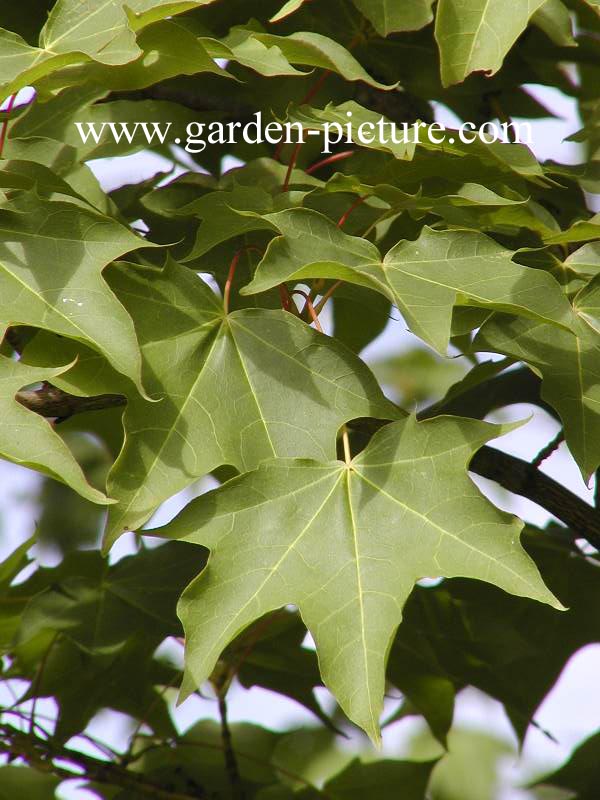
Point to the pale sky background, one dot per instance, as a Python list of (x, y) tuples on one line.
[(572, 710)]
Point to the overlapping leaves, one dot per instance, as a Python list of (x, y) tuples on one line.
[(425, 279), (259, 392), (226, 385)]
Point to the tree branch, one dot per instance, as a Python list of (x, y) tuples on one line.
[(524, 479), (515, 386), (52, 402), (41, 755)]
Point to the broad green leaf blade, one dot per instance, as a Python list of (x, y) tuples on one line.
[(346, 544), (269, 54), (27, 782), (476, 35), (570, 367), (270, 655), (555, 20), (95, 28), (470, 633), (226, 214), (443, 268), (100, 606), (585, 260), (587, 305), (52, 254), (425, 278), (22, 65), (403, 142), (168, 49), (148, 11), (28, 439), (382, 779), (388, 16), (234, 390), (82, 32), (288, 8)]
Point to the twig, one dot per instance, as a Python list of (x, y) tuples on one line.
[(333, 159), (347, 450), (328, 294), (310, 307), (231, 764), (286, 299), (35, 686), (344, 218), (550, 448), (290, 169), (229, 281), (524, 479), (42, 755), (51, 402)]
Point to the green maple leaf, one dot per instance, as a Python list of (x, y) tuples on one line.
[(570, 367), (52, 254), (235, 389), (346, 542), (476, 35), (80, 31), (288, 8), (272, 55), (388, 16), (425, 279)]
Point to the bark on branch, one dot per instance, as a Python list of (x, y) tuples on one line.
[(54, 403), (42, 755)]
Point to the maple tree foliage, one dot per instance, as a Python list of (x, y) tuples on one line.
[(167, 336)]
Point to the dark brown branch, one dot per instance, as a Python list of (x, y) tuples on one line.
[(524, 479), (515, 386), (52, 402), (231, 764), (41, 755)]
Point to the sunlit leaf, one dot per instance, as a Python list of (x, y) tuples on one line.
[(401, 510)]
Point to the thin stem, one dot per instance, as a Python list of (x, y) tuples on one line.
[(286, 300), (306, 99), (4, 131), (144, 719), (333, 159), (347, 450), (315, 88), (358, 202), (231, 764), (230, 276), (246, 757), (311, 309), (41, 755), (232, 270), (38, 680), (327, 296), (550, 448), (291, 165)]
